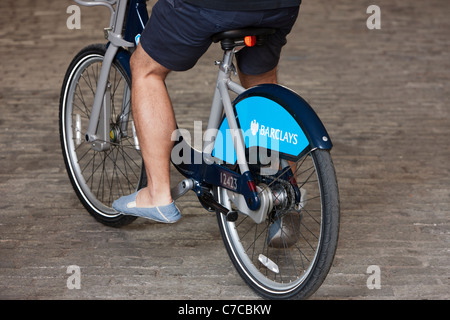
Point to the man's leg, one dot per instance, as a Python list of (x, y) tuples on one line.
[(155, 121), (248, 81)]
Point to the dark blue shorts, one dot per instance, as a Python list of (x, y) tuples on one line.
[(178, 34)]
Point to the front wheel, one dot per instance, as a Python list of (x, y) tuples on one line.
[(99, 175), (288, 255)]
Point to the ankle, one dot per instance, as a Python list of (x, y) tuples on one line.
[(147, 198)]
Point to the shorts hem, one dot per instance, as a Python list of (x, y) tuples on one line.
[(157, 58)]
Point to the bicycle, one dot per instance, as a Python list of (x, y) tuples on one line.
[(270, 180)]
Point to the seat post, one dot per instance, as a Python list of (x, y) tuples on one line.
[(226, 65), (232, 41)]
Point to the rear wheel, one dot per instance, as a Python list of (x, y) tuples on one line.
[(99, 175), (289, 254)]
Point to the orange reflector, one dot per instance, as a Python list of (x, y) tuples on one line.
[(250, 41)]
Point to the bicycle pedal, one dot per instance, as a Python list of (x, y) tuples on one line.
[(232, 216)]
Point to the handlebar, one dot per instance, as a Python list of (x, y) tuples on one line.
[(106, 3)]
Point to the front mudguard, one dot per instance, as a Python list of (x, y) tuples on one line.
[(123, 57), (275, 118)]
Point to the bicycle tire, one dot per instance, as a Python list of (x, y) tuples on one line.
[(260, 274), (120, 170)]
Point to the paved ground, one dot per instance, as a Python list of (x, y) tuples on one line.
[(384, 96)]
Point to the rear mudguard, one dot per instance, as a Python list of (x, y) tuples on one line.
[(273, 118)]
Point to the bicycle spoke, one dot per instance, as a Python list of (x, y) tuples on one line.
[(283, 247)]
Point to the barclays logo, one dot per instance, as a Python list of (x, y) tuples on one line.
[(273, 133)]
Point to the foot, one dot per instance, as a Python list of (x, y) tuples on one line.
[(165, 214)]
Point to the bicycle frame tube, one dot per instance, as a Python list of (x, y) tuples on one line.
[(223, 84), (203, 168)]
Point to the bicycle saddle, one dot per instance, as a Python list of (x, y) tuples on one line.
[(232, 38)]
